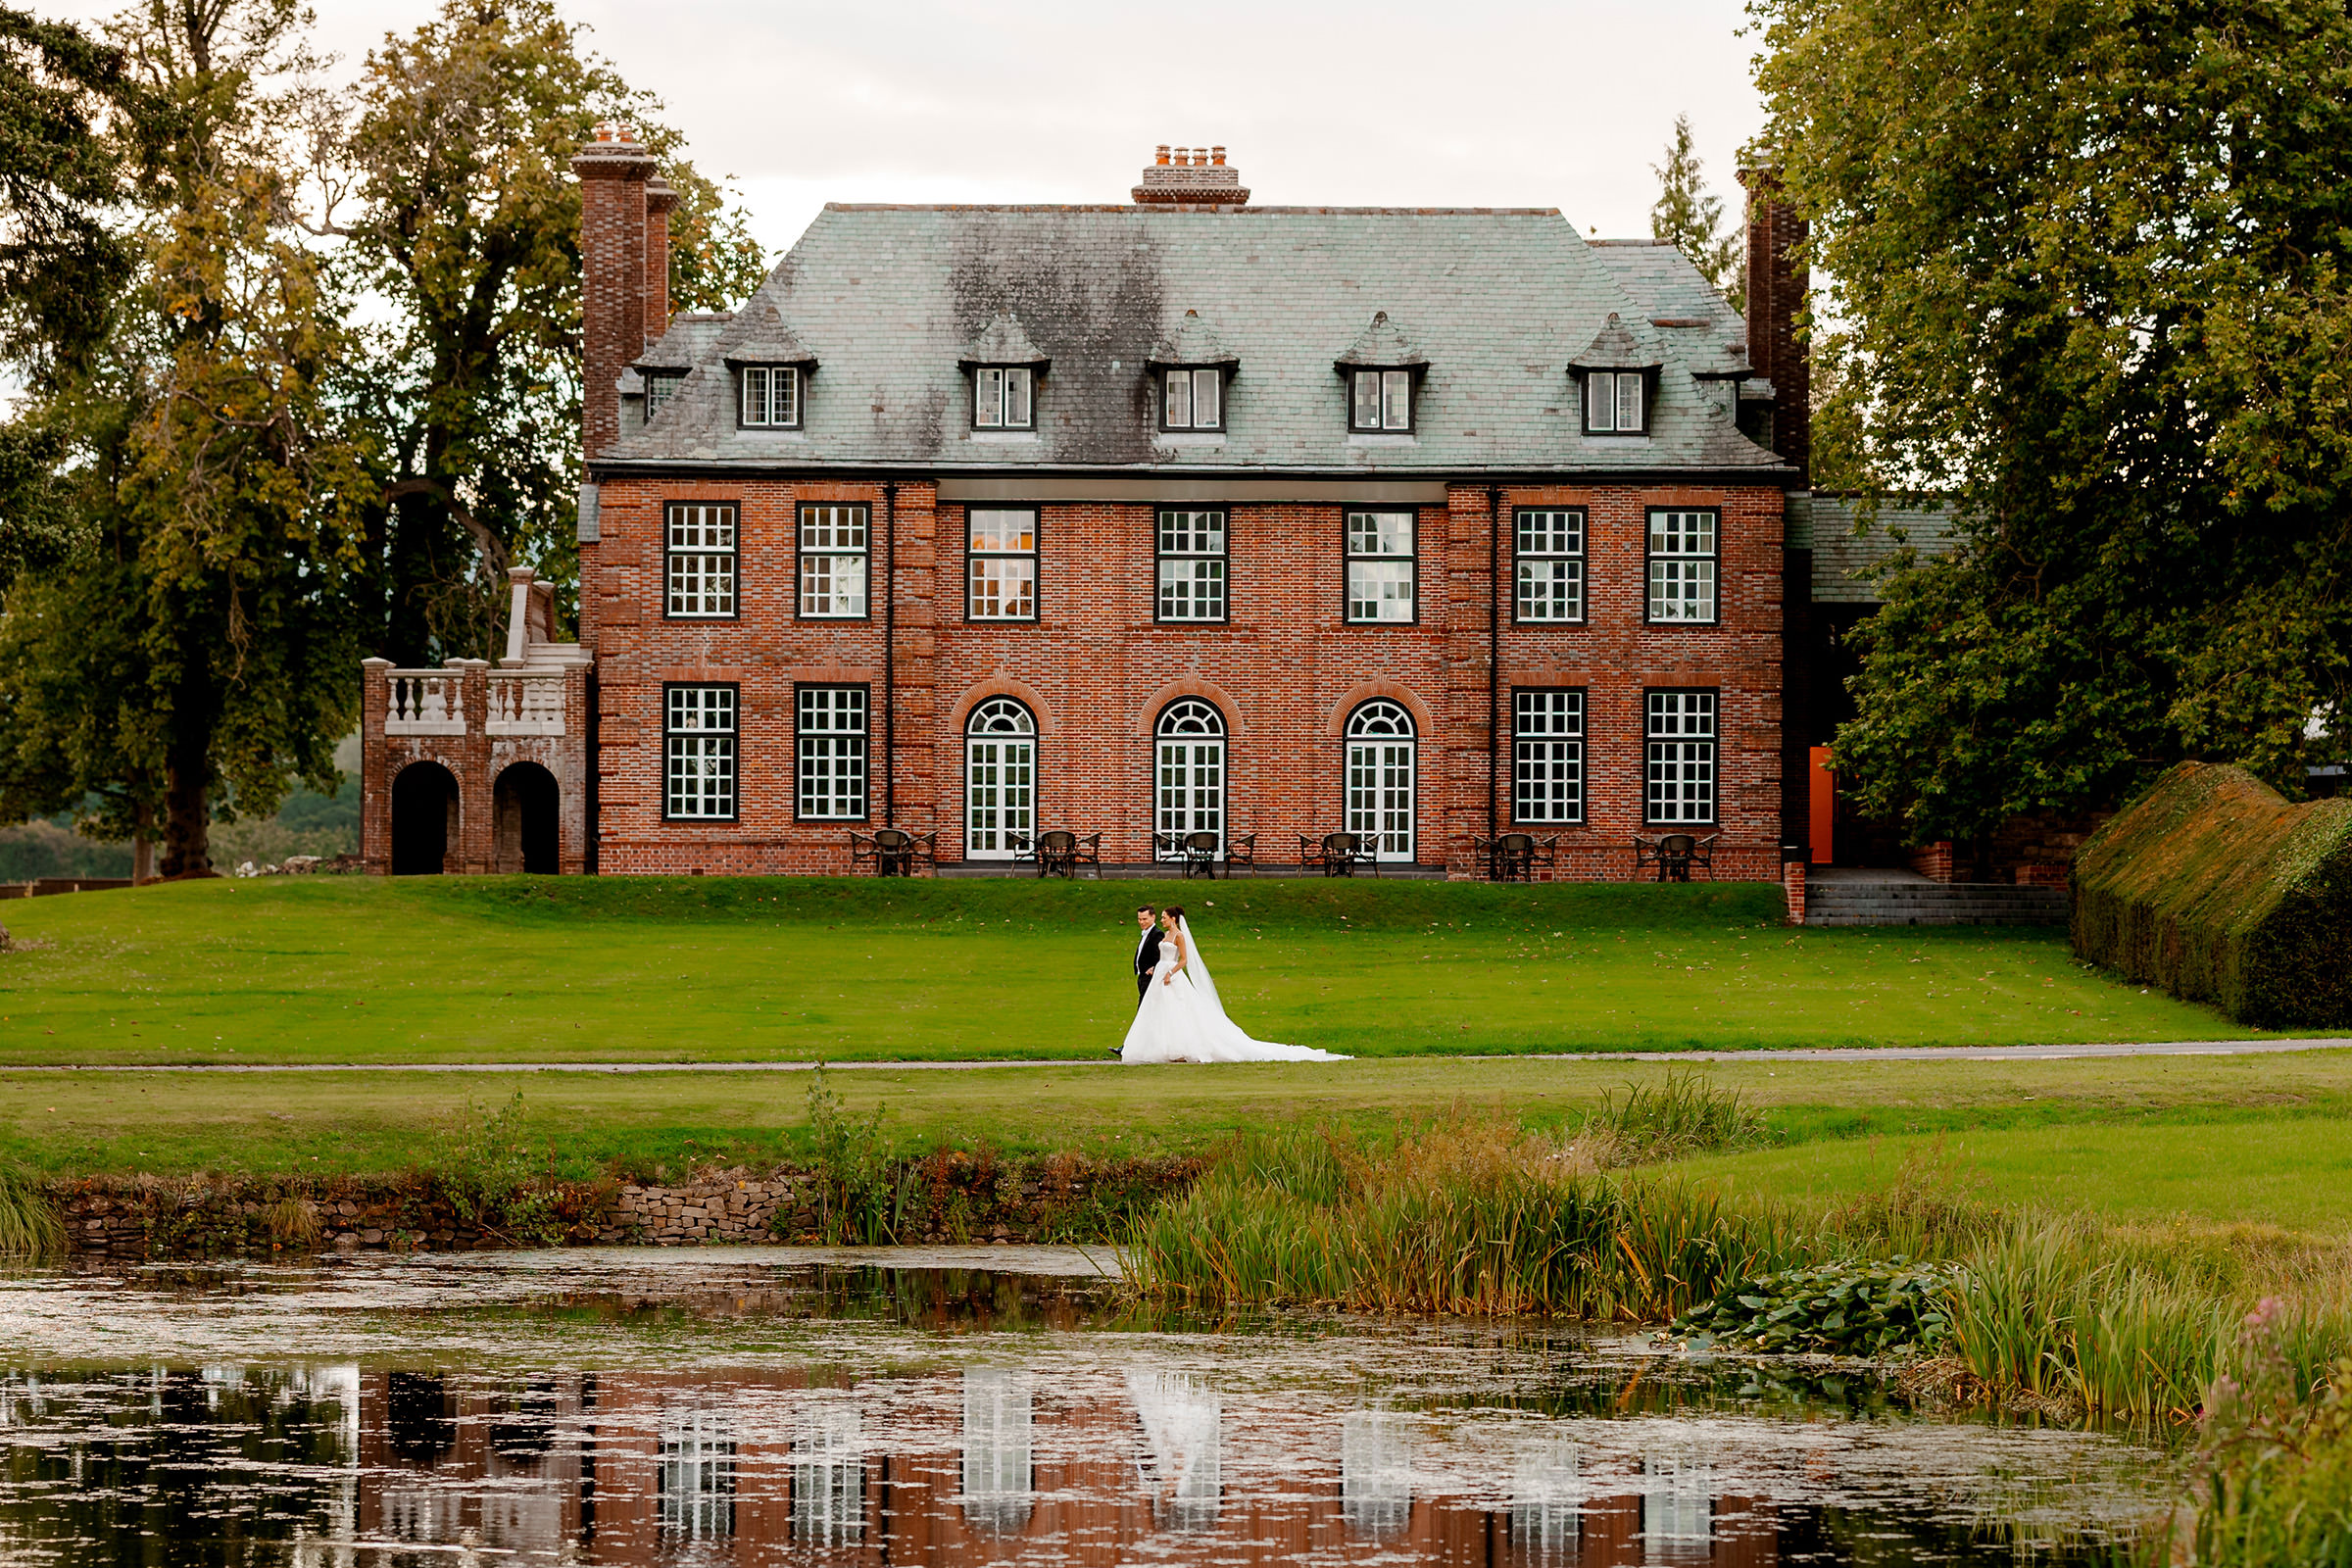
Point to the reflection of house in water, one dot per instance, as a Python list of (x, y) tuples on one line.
[(983, 1466)]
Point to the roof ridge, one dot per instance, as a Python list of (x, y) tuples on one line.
[(1191, 209)]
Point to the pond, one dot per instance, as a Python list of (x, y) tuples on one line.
[(951, 1407)]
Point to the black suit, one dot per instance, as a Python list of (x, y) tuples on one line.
[(1146, 959)]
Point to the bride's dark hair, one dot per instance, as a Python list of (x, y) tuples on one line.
[(1174, 911)]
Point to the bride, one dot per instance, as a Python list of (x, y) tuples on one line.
[(1181, 1019)]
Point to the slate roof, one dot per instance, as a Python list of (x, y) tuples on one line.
[(1847, 563), (888, 300), (1666, 287)]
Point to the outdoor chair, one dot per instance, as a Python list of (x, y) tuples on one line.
[(1674, 855), (892, 850), (1337, 853), (1514, 857), (1240, 849), (1200, 855), (1059, 852)]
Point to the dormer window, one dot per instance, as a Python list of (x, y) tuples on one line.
[(771, 397), (658, 388), (1192, 399), (1004, 396), (1383, 401), (1616, 403)]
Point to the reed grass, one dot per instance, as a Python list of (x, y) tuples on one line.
[(29, 1224)]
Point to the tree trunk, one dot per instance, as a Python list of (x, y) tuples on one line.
[(187, 809)]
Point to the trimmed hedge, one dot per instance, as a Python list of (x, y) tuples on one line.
[(2212, 886)]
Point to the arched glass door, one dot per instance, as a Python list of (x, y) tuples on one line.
[(1000, 780), (1188, 775), (1380, 777)]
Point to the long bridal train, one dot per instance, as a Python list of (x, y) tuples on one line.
[(1182, 1019)]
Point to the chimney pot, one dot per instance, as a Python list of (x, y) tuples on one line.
[(1162, 159), (1217, 156)]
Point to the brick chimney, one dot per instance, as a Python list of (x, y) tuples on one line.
[(1776, 284), (659, 200), (613, 170), (1192, 178)]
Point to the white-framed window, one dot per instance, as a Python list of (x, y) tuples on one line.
[(771, 397), (1615, 402), (1192, 399), (1004, 396), (834, 547), (1682, 566), (1381, 399), (828, 1476), (1000, 780), (659, 385), (1551, 566), (699, 561), (1380, 777), (1380, 567), (830, 742), (1192, 562), (1002, 564), (694, 1481), (1680, 762), (699, 732), (1548, 756), (999, 1468), (1188, 775)]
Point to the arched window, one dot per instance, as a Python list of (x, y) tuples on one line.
[(1380, 777), (1000, 780), (1188, 775)]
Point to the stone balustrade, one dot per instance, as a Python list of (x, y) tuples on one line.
[(427, 701), (525, 702)]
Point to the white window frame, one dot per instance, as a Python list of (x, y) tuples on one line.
[(1547, 754), (1188, 775), (1381, 778), (1681, 747), (1684, 555), (695, 1479), (702, 751), (1379, 402), (1004, 397), (660, 388), (832, 753), (1185, 391), (1549, 582), (836, 545), (1374, 568), (999, 815), (987, 561), (1617, 403), (1191, 566), (771, 398), (700, 554)]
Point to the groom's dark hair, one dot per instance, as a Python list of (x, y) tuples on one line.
[(1145, 909)]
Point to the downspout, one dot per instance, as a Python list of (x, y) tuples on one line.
[(890, 647), (1493, 652)]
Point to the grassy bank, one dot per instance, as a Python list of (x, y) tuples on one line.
[(490, 969)]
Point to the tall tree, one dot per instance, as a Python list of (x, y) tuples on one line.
[(2091, 272), (467, 221), (1690, 217), (193, 654)]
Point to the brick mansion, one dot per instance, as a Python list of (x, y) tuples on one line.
[(1174, 515)]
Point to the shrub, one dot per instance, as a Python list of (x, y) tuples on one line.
[(861, 1199), (2214, 887), (1682, 1114), (1895, 1307), (493, 1181), (30, 1226), (2277, 1471)]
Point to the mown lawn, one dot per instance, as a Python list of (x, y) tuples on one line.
[(2223, 1139), (522, 969)]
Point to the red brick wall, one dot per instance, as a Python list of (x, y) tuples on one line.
[(1096, 670)]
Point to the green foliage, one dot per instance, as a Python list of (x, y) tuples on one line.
[(2214, 887), (30, 1226), (1845, 1308), (2086, 274), (495, 1180), (1690, 217), (1681, 1113), (862, 1196), (2277, 1470), (60, 264)]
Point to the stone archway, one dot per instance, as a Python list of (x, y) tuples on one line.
[(424, 819), (527, 806)]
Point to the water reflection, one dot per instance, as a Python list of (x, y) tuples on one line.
[(874, 1441)]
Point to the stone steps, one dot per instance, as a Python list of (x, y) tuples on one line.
[(1932, 903)]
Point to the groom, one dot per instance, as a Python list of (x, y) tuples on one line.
[(1147, 950)]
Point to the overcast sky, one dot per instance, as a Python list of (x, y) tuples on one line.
[(1466, 103)]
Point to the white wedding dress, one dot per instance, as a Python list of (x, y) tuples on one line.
[(1181, 1019)]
